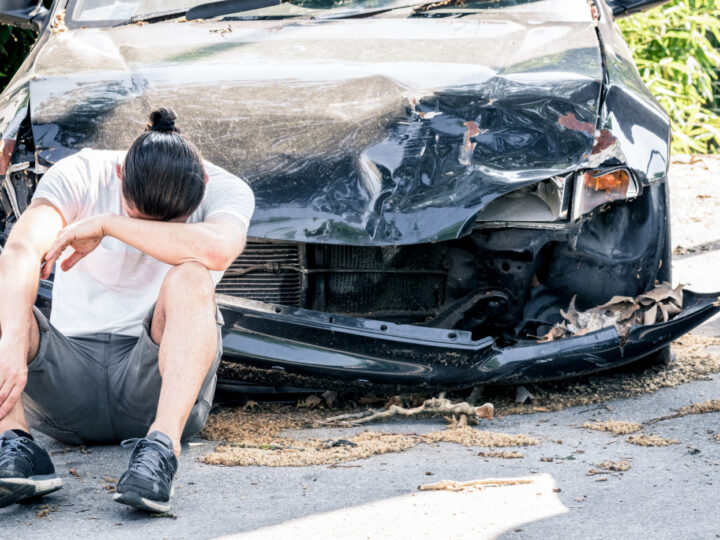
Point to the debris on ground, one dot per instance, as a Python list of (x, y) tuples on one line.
[(614, 466), (440, 405), (74, 473), (696, 358), (222, 31), (45, 510), (298, 453), (593, 472), (259, 429), (338, 442), (650, 440), (311, 402), (626, 428), (163, 515), (476, 485), (717, 437), (468, 436), (709, 406), (613, 426), (659, 304), (291, 452), (257, 438), (501, 454)]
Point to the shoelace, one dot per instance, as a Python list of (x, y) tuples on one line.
[(10, 450), (144, 462)]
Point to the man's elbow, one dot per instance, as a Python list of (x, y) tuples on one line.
[(221, 257)]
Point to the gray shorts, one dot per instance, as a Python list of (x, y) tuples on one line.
[(102, 388)]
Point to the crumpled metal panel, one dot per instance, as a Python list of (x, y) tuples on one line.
[(13, 110), (633, 128), (375, 131)]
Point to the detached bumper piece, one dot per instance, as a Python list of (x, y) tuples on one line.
[(364, 351)]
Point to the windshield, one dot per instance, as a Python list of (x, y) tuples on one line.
[(114, 11)]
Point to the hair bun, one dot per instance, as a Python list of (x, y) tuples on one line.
[(162, 119)]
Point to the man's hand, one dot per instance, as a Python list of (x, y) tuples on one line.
[(13, 373), (83, 236)]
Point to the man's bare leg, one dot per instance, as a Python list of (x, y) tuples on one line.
[(15, 419), (184, 325), (27, 469)]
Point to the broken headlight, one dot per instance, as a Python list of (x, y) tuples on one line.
[(597, 187), (542, 202)]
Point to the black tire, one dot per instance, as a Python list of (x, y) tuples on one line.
[(663, 357)]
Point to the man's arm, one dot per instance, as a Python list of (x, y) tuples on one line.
[(214, 243), (20, 263)]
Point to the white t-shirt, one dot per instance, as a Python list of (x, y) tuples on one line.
[(114, 287)]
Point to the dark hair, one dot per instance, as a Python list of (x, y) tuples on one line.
[(163, 175)]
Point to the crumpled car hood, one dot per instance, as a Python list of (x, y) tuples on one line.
[(367, 132)]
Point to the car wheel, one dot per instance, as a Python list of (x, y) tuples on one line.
[(663, 357)]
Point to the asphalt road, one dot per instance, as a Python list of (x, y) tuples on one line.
[(668, 492)]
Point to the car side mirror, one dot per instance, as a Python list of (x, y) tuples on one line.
[(23, 13), (623, 8)]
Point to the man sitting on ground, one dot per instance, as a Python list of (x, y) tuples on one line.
[(133, 341)]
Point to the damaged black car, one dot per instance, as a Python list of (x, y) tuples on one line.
[(448, 193)]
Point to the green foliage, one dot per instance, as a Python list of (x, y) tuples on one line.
[(676, 50), (14, 46)]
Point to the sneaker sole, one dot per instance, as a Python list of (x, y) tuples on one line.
[(133, 499), (14, 490)]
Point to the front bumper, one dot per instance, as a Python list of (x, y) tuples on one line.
[(362, 351)]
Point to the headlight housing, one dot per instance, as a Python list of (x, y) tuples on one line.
[(543, 202), (550, 200), (600, 186)]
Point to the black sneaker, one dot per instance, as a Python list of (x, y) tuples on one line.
[(25, 469), (147, 483)]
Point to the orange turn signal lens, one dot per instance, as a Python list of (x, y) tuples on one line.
[(597, 187), (616, 182)]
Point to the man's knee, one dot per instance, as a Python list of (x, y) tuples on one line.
[(33, 335), (189, 279)]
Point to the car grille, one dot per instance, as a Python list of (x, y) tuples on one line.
[(266, 271), (397, 283), (384, 282)]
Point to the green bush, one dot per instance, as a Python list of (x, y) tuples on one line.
[(675, 49), (14, 46)]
